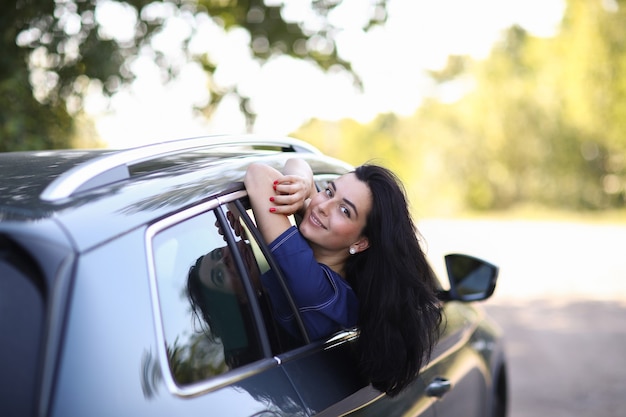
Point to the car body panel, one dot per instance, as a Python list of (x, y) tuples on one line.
[(326, 373), (457, 361), (111, 298)]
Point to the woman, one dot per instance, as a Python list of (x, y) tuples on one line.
[(360, 264)]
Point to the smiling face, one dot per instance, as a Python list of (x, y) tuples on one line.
[(336, 216)]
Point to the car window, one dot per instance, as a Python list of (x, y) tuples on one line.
[(206, 316), (21, 326)]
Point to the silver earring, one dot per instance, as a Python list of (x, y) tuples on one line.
[(352, 251)]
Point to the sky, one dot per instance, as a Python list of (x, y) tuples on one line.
[(390, 60)]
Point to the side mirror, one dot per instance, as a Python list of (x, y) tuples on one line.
[(471, 279)]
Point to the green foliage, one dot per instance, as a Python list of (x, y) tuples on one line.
[(64, 49), (27, 124), (199, 359)]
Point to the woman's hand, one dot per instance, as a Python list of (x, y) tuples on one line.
[(294, 188), (284, 193), (292, 193)]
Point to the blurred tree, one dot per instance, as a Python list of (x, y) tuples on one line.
[(25, 122), (545, 122), (592, 83), (56, 51), (503, 128)]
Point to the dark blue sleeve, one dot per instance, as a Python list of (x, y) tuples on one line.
[(325, 300)]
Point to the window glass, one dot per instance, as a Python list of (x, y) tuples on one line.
[(206, 314), (21, 326)]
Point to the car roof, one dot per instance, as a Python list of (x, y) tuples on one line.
[(25, 175), (98, 194)]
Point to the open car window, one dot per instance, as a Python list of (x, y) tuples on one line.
[(258, 263)]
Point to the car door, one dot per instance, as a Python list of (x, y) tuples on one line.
[(133, 344)]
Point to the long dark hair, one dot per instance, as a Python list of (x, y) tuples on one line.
[(399, 313)]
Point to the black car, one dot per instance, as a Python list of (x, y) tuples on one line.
[(101, 313)]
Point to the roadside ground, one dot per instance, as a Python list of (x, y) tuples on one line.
[(561, 302)]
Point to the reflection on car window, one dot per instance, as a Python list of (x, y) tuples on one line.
[(206, 314)]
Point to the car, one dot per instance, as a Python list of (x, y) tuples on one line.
[(126, 290)]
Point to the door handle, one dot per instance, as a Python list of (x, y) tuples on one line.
[(438, 387)]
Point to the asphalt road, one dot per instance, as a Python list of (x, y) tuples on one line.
[(561, 301)]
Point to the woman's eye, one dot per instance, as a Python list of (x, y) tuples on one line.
[(217, 277), (328, 192), (345, 211)]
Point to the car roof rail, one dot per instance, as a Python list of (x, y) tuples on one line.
[(113, 167)]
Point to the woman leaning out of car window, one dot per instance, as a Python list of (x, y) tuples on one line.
[(354, 259)]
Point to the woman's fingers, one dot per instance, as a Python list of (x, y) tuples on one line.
[(291, 191), (286, 199), (287, 203), (290, 194), (291, 185)]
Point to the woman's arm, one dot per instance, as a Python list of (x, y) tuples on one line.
[(274, 196)]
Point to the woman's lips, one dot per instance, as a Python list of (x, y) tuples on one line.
[(316, 221)]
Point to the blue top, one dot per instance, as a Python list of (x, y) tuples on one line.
[(326, 302)]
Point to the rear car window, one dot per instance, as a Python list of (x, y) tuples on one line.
[(21, 326)]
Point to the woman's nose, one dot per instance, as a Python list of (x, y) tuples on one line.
[(323, 207)]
